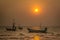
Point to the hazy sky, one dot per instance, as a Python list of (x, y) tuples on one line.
[(21, 11)]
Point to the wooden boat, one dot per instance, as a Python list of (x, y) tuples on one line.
[(37, 31), (13, 27), (20, 28)]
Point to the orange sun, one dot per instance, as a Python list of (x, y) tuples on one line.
[(36, 10)]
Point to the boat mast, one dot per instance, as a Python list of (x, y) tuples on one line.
[(13, 23), (40, 24)]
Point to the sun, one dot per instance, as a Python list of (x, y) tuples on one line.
[(36, 10)]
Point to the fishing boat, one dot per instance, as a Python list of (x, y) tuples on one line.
[(20, 28), (13, 27), (37, 31)]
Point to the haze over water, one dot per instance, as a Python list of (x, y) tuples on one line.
[(21, 11)]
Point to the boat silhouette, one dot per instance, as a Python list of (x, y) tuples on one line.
[(37, 31), (13, 27), (20, 28)]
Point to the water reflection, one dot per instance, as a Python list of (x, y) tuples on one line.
[(36, 37)]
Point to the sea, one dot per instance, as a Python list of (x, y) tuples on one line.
[(53, 33)]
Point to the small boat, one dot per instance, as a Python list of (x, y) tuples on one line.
[(20, 28), (37, 31), (13, 28)]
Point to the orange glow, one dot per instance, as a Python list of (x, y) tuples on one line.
[(36, 10), (36, 37)]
